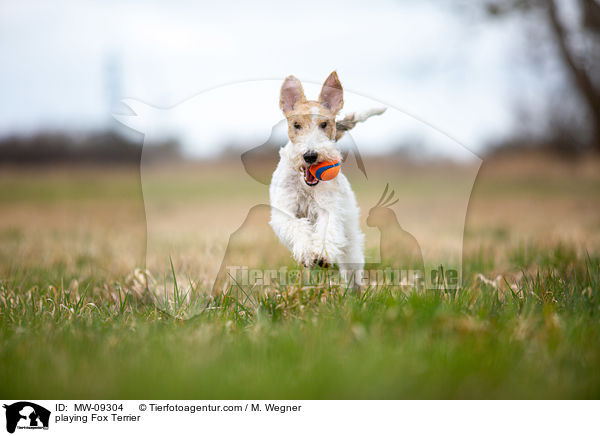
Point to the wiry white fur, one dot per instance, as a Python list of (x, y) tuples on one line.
[(360, 117), (316, 222)]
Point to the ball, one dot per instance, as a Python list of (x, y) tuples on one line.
[(325, 171)]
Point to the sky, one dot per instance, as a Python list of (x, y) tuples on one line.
[(66, 64)]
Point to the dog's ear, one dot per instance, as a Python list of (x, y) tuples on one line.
[(332, 94), (291, 94)]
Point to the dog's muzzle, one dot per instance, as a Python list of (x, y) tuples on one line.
[(309, 179), (310, 157)]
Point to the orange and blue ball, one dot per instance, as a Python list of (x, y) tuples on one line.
[(325, 171)]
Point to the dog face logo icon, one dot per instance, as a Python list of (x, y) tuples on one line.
[(26, 415)]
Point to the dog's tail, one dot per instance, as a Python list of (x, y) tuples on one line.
[(350, 120)]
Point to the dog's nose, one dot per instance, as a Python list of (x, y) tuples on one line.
[(310, 157)]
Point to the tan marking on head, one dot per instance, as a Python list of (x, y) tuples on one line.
[(304, 115), (309, 116)]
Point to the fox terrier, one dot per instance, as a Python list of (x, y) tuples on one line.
[(317, 221)]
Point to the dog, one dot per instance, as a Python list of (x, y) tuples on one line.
[(318, 221)]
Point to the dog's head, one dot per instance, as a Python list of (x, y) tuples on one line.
[(311, 124)]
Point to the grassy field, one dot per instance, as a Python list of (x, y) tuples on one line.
[(84, 313)]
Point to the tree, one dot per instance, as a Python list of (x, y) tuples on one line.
[(582, 63)]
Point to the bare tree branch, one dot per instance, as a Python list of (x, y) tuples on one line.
[(582, 81)]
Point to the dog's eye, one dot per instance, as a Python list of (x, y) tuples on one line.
[(324, 125), (297, 126)]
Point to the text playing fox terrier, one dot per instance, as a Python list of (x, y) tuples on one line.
[(317, 220)]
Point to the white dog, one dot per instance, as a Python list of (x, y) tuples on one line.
[(317, 220)]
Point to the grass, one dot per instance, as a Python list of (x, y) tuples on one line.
[(79, 320), (537, 338)]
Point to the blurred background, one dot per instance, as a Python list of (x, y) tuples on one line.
[(489, 73), (490, 144), (515, 82)]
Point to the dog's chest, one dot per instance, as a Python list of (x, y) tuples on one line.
[(305, 207), (310, 204)]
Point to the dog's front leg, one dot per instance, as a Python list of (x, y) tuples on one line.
[(295, 233), (329, 238)]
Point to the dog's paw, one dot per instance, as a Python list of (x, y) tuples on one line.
[(310, 258), (303, 252), (319, 257), (324, 252), (320, 262)]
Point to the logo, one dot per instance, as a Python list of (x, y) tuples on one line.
[(26, 415)]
